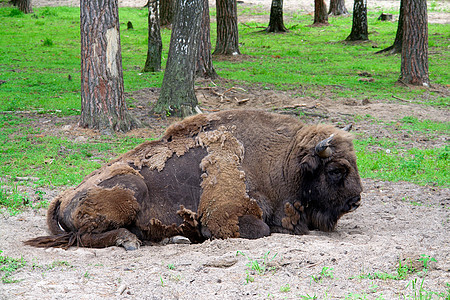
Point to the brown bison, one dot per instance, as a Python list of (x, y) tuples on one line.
[(229, 174)]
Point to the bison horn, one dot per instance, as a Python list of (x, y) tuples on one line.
[(322, 148), (348, 127)]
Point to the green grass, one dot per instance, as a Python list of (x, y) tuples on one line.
[(422, 166), (259, 266), (50, 161), (27, 151), (39, 51), (8, 266), (397, 160)]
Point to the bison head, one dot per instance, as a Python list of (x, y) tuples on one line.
[(329, 183)]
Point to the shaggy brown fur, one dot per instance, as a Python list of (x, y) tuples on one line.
[(229, 174)]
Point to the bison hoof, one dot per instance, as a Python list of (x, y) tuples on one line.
[(130, 245), (127, 240), (178, 239)]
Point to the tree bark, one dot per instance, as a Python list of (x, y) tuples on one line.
[(276, 23), (166, 12), (102, 100), (337, 8), (177, 92), (414, 65), (320, 13), (153, 62), (359, 26), (397, 46), (23, 5), (205, 67), (227, 42)]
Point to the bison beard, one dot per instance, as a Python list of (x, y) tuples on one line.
[(224, 175)]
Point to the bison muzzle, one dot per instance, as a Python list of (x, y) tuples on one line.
[(229, 174)]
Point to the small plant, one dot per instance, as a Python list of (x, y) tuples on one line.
[(8, 266), (51, 266), (419, 291), (87, 275), (171, 266), (248, 278), (47, 42), (326, 272), (285, 288), (259, 265), (161, 280), (403, 270), (425, 259)]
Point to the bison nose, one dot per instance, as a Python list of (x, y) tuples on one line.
[(352, 204)]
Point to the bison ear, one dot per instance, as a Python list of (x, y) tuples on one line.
[(308, 164)]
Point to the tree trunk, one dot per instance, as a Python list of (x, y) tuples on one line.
[(276, 17), (177, 92), (102, 101), (397, 46), (359, 27), (205, 67), (337, 8), (166, 12), (227, 42), (320, 13), (153, 62), (23, 5), (414, 65)]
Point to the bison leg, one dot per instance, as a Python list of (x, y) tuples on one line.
[(251, 227), (117, 237)]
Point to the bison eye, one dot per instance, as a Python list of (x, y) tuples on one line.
[(337, 174)]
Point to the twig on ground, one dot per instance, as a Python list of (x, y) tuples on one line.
[(398, 98), (239, 102)]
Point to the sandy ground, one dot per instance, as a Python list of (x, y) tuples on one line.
[(396, 222)]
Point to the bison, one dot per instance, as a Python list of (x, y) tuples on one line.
[(229, 174)]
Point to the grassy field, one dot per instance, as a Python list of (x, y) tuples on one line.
[(40, 70)]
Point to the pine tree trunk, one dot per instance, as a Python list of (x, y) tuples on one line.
[(337, 8), (276, 17), (359, 26), (102, 100), (227, 42), (177, 92), (153, 62), (397, 46), (23, 5), (320, 13), (205, 67), (166, 12), (414, 65)]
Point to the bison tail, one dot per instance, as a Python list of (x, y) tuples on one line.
[(64, 241), (52, 217)]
